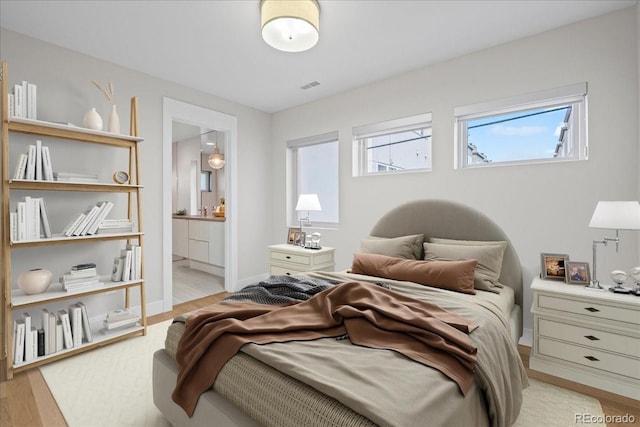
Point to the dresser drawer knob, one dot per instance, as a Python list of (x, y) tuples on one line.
[(592, 338), (288, 274), (592, 359), (288, 257), (592, 310)]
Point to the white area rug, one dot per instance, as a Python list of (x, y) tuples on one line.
[(111, 386)]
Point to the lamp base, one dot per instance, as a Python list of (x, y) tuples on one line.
[(594, 285)]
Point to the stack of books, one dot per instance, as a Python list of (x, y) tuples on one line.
[(115, 226), (120, 318), (35, 164), (80, 277), (75, 177)]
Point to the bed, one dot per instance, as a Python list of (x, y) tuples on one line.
[(329, 381)]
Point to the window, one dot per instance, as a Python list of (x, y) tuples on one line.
[(206, 181), (540, 127), (314, 169), (393, 146)]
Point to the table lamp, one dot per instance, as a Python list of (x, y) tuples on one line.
[(307, 202), (615, 216)]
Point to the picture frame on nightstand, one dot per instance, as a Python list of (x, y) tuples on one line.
[(291, 239), (553, 266), (299, 239), (577, 273)]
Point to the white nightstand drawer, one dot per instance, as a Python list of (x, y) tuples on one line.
[(591, 309), (276, 270), (290, 257), (590, 357), (590, 337)]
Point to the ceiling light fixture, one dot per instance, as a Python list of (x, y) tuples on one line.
[(215, 159), (290, 25)]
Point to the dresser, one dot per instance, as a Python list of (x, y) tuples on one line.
[(291, 259), (590, 337)]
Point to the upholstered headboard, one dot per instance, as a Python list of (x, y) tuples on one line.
[(450, 220)]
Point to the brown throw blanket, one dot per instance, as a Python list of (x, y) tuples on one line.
[(371, 316)]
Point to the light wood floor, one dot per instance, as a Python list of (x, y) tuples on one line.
[(190, 284), (26, 400)]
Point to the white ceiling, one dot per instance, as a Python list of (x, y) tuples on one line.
[(216, 47)]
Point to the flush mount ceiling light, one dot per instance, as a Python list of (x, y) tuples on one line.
[(290, 25)]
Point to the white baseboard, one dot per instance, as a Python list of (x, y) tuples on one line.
[(207, 268), (527, 337), (155, 307)]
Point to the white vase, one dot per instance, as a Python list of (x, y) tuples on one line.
[(34, 281), (92, 120), (114, 120)]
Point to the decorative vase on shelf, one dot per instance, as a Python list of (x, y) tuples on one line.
[(114, 120), (92, 120), (34, 281)]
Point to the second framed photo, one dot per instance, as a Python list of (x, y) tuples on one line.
[(300, 237), (553, 266), (578, 273)]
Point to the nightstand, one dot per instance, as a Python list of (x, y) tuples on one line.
[(590, 337), (291, 259)]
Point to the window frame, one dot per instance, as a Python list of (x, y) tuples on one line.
[(294, 187), (359, 135), (575, 95)]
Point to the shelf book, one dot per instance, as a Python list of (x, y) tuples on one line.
[(35, 164), (63, 330), (81, 277), (30, 221), (89, 221), (24, 100)]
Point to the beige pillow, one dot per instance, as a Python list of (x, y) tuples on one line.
[(468, 242), (489, 260), (452, 275), (407, 247)]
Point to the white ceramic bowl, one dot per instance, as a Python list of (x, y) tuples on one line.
[(34, 281)]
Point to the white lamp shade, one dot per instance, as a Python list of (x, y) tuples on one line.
[(308, 202), (216, 160), (616, 215), (290, 25)]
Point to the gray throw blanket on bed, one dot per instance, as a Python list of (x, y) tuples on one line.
[(281, 290)]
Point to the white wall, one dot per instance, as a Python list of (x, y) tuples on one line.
[(65, 92), (542, 207)]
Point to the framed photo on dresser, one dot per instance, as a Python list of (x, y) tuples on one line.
[(553, 266), (291, 239), (578, 273)]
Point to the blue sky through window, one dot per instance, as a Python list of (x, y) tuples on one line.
[(522, 135)]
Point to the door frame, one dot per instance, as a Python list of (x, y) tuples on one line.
[(199, 116)]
